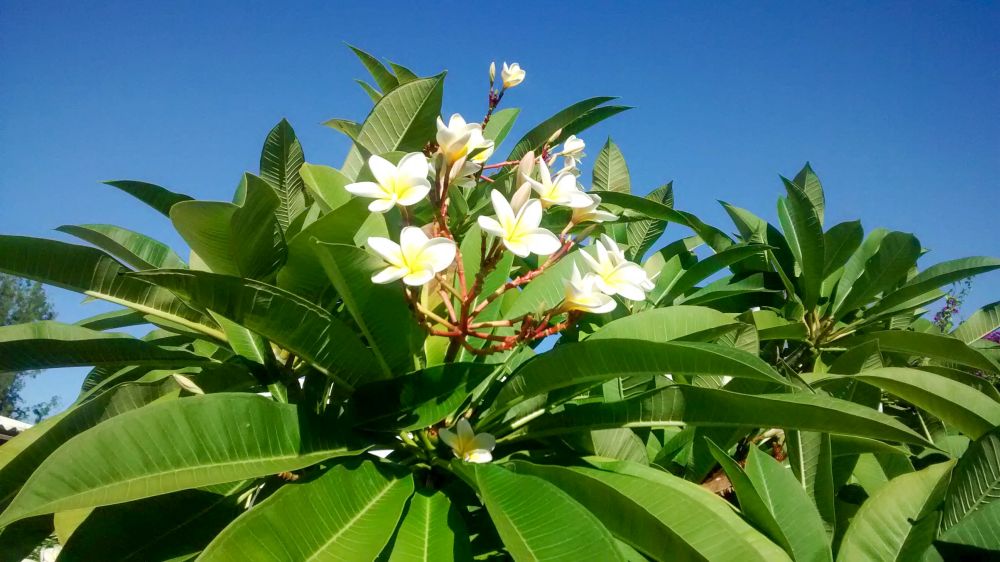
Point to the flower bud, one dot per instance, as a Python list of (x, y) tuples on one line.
[(493, 72), (512, 75)]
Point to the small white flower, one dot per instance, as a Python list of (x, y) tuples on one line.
[(572, 151), (467, 445), (614, 275), (404, 185), (520, 231), (582, 294), (415, 260), (562, 190), (512, 75), (591, 213), (457, 139)]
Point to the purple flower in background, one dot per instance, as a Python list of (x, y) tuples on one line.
[(993, 336)]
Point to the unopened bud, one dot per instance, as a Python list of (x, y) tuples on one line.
[(493, 72)]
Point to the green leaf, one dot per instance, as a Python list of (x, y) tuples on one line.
[(865, 277), (380, 311), (715, 238), (153, 195), (500, 124), (969, 410), (303, 328), (403, 120), (809, 183), (385, 80), (658, 514), (402, 73), (432, 530), (137, 250), (933, 277), (591, 118), (693, 323), (545, 291), (235, 240), (702, 269), (971, 515), (49, 344), (690, 405), (176, 445), (643, 234), (95, 274), (326, 185), (374, 94), (350, 512), (891, 523), (20, 539), (979, 324), (610, 170), (280, 161), (538, 136), (935, 346), (804, 233), (350, 128), (416, 400), (592, 362), (113, 320), (169, 527), (536, 519), (775, 502), (810, 454), (839, 244)]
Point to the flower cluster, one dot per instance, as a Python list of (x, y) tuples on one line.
[(428, 256)]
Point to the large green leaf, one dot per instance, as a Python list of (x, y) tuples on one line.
[(545, 291), (810, 454), (380, 311), (326, 185), (667, 324), (385, 79), (168, 527), (347, 513), (403, 120), (933, 277), (418, 399), (935, 346), (538, 136), (809, 183), (899, 521), (95, 274), (49, 344), (280, 160), (432, 530), (691, 405), (642, 234), (715, 238), (774, 501), (658, 514), (979, 324), (610, 170), (972, 495), (240, 240), (304, 328), (46, 439), (133, 248), (865, 277), (804, 232), (702, 269), (839, 244), (536, 519), (176, 445), (500, 124), (592, 362), (155, 196)]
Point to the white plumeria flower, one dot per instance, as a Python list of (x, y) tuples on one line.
[(415, 260), (511, 75), (404, 184), (572, 151), (458, 138), (519, 230), (562, 190), (583, 294), (614, 275), (591, 213), (467, 445)]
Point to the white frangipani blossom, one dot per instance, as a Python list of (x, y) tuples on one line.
[(415, 260), (614, 275), (404, 184), (467, 445), (520, 230), (561, 190), (591, 213), (512, 75), (458, 139), (572, 151), (582, 294)]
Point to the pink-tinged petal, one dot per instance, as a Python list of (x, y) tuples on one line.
[(489, 224), (381, 205), (415, 193), (418, 278), (438, 254), (530, 216), (412, 241), (365, 189), (542, 242), (382, 169), (413, 165), (518, 248), (389, 250), (389, 274)]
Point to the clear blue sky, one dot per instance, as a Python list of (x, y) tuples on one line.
[(895, 104)]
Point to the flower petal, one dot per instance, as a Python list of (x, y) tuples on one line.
[(505, 215), (541, 242), (411, 242), (413, 165), (489, 224), (484, 441), (478, 457), (519, 248), (365, 189), (465, 433), (418, 278), (449, 437), (389, 274), (381, 205), (414, 193), (437, 254), (389, 250), (530, 216), (382, 169)]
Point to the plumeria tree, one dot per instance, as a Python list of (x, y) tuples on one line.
[(432, 352)]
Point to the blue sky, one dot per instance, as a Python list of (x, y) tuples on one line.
[(895, 104)]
